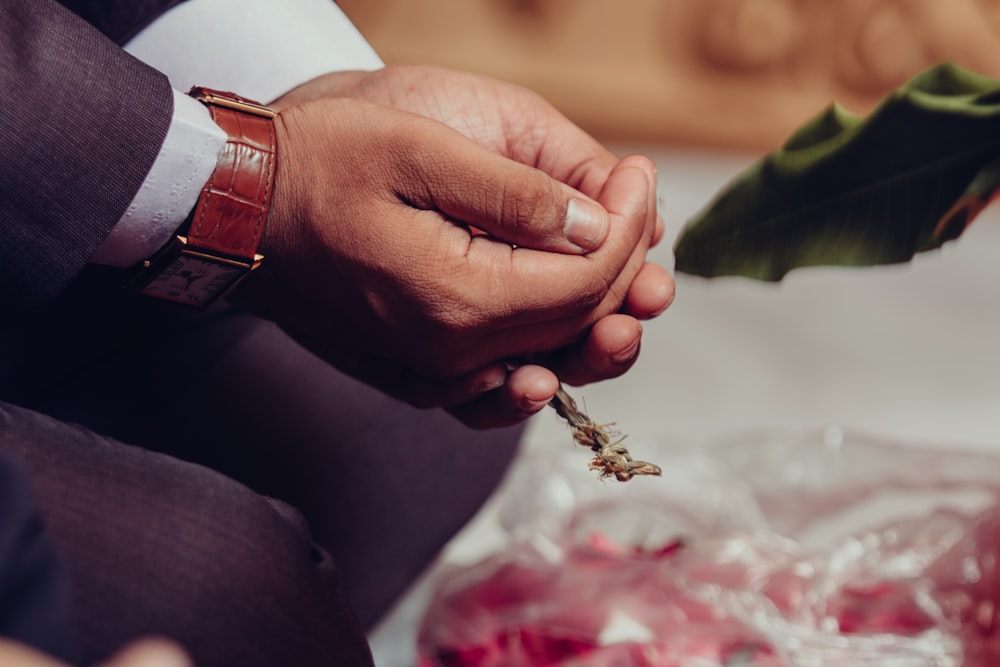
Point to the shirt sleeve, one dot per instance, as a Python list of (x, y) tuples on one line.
[(259, 49), (170, 191)]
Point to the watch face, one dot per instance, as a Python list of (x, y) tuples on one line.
[(194, 279)]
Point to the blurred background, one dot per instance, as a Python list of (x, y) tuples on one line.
[(908, 353), (722, 73)]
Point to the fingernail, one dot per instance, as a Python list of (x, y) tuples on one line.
[(530, 406), (668, 299), (491, 379), (586, 224), (628, 354)]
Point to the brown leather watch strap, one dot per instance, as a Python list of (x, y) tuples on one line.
[(232, 208)]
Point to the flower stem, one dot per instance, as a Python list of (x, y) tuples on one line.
[(611, 458)]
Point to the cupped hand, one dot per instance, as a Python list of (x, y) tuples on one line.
[(505, 118), (371, 241), (515, 124)]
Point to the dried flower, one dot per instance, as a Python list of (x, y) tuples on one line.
[(611, 458)]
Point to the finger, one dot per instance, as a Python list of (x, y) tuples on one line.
[(660, 225), (650, 293), (510, 201), (609, 350), (649, 211), (547, 286), (527, 391), (529, 301), (423, 392), (397, 380), (551, 300), (569, 155), (661, 229), (645, 219)]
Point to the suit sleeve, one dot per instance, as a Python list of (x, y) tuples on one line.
[(120, 20), (80, 125)]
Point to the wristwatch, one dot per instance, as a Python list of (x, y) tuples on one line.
[(217, 245)]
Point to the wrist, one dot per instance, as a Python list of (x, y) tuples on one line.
[(218, 244)]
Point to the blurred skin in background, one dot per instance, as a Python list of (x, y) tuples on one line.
[(142, 653)]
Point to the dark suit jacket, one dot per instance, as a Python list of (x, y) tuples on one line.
[(80, 125)]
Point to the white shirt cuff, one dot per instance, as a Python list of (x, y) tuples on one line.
[(170, 191)]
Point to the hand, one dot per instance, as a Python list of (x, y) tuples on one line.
[(141, 653), (530, 387), (508, 120)]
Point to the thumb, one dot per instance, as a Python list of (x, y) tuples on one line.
[(510, 201)]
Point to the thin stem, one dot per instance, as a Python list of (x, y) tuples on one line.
[(611, 458)]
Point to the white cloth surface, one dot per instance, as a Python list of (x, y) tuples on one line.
[(259, 49)]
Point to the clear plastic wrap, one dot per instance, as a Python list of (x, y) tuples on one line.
[(791, 549)]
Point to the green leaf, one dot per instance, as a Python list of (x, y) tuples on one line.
[(850, 191)]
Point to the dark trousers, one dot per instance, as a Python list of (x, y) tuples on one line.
[(34, 590), (266, 510)]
